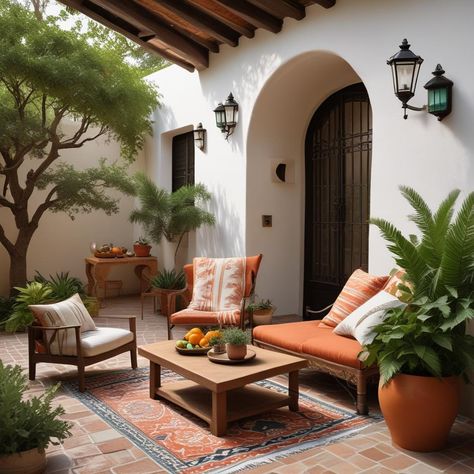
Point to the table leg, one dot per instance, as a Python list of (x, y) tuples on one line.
[(219, 413), (90, 279), (293, 390), (145, 272), (155, 378)]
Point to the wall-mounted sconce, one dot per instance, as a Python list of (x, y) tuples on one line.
[(227, 115), (405, 70), (200, 136), (283, 171)]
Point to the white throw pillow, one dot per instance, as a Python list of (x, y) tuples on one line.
[(364, 331), (379, 303)]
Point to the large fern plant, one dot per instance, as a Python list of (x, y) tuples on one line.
[(428, 336), (170, 215)]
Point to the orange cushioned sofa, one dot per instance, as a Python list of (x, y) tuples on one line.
[(325, 350)]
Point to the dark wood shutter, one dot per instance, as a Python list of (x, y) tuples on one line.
[(183, 160)]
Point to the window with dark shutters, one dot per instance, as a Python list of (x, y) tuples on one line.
[(183, 160)]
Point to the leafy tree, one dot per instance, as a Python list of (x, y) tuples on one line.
[(49, 78), (170, 215)]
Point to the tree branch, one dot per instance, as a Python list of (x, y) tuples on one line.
[(42, 208), (6, 203), (6, 242), (66, 145)]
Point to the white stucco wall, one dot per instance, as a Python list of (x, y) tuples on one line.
[(279, 81), (61, 244)]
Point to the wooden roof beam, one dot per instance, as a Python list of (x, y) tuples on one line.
[(282, 8), (105, 18), (184, 47), (206, 23), (256, 16), (325, 3)]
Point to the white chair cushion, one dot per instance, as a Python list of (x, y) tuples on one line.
[(379, 303), (96, 342)]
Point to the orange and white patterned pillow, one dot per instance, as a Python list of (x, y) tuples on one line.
[(397, 276), (65, 313), (360, 287), (219, 285)]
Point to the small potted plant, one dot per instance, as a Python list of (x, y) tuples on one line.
[(142, 247), (28, 426), (236, 343), (218, 345), (262, 312), (166, 282)]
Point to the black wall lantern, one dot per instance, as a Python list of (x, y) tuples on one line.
[(200, 136), (405, 70), (227, 115), (440, 93)]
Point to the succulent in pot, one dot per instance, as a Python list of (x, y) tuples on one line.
[(423, 350), (218, 345), (28, 426), (166, 282), (236, 343), (142, 247)]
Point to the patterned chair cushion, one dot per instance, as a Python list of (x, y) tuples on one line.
[(359, 288)]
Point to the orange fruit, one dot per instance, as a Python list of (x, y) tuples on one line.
[(214, 333), (204, 342), (195, 330), (194, 338)]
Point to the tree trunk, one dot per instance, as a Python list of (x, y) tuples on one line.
[(17, 271)]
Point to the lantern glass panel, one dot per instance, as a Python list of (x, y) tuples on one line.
[(220, 117), (437, 100), (231, 113), (405, 72)]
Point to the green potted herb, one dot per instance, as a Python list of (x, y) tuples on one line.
[(28, 426), (236, 343), (422, 350), (218, 345), (142, 247), (261, 311)]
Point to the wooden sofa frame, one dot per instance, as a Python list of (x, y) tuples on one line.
[(78, 360), (357, 377)]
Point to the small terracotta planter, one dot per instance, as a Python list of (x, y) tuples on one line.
[(142, 250), (419, 411), (32, 461), (262, 316), (236, 351), (218, 348)]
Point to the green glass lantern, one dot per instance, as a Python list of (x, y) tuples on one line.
[(439, 94), (220, 116)]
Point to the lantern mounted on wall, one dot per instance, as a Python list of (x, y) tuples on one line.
[(227, 115), (200, 136), (405, 70)]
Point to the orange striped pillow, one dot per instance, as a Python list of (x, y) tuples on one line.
[(359, 288)]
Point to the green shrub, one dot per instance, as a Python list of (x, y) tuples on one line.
[(260, 305), (62, 285), (27, 424), (6, 308)]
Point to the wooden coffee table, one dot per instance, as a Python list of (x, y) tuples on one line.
[(222, 393)]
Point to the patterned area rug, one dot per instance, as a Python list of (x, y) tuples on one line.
[(182, 443)]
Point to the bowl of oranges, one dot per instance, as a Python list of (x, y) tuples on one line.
[(196, 341)]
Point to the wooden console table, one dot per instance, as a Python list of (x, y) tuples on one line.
[(97, 270)]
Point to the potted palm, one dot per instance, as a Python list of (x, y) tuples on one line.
[(262, 312), (236, 343), (170, 215), (28, 426), (422, 350)]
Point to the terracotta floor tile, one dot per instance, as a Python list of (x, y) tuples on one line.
[(374, 454), (143, 466), (115, 445), (398, 462), (105, 435), (361, 461)]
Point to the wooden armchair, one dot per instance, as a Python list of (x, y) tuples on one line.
[(207, 318), (85, 349)]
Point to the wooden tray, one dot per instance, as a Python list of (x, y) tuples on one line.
[(107, 255), (192, 352), (224, 358)]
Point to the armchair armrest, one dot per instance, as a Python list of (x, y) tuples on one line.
[(172, 299), (47, 342), (132, 321)]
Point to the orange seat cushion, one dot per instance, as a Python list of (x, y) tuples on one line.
[(360, 287), (331, 347), (289, 336), (197, 318)]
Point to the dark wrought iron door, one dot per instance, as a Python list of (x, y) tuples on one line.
[(183, 160), (338, 161)]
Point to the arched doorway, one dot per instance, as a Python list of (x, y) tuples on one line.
[(337, 162)]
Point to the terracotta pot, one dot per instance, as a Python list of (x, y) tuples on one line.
[(26, 462), (218, 348), (262, 316), (419, 411), (141, 250), (236, 351)]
